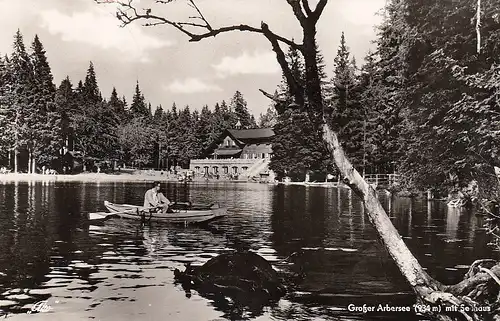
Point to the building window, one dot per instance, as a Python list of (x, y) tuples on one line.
[(206, 169), (228, 143), (197, 169), (244, 168), (216, 170), (263, 155), (225, 169), (233, 143), (235, 169)]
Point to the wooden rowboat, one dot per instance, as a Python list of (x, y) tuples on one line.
[(186, 215)]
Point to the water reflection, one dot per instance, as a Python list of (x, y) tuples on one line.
[(123, 269), (452, 219)]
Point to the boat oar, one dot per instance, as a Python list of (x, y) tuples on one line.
[(101, 216)]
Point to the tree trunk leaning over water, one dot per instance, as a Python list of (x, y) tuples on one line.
[(429, 291), (404, 259)]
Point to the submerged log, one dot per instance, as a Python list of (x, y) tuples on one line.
[(246, 278), (242, 271)]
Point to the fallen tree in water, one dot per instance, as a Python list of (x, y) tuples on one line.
[(478, 291)]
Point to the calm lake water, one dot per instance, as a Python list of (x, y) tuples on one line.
[(124, 271)]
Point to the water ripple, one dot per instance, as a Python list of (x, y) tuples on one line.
[(318, 237)]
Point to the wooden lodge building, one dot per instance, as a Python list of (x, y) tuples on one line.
[(242, 153)]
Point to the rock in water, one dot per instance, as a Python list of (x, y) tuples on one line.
[(245, 277)]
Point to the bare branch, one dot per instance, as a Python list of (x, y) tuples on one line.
[(192, 24), (307, 8), (319, 9), (297, 11), (274, 97), (215, 32), (152, 24), (209, 27), (295, 89), (127, 14)]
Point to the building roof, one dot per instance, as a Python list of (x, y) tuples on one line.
[(251, 133), (242, 137), (226, 152)]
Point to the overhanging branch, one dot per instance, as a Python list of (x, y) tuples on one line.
[(243, 27), (127, 13), (295, 89), (274, 97)]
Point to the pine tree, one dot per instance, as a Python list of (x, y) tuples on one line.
[(139, 107), (7, 112), (320, 61), (450, 94), (109, 122), (268, 119), (297, 148), (239, 108), (46, 140), (91, 90), (382, 93), (159, 114), (217, 123), (79, 96), (296, 63), (229, 116), (203, 129), (66, 106), (135, 138), (186, 137), (253, 123), (369, 93), (117, 105), (95, 123), (173, 143), (21, 94), (342, 86)]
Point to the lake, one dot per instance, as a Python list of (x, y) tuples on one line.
[(122, 270)]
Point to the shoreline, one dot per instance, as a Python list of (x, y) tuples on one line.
[(100, 177)]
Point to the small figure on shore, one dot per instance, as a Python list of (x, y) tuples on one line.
[(155, 198)]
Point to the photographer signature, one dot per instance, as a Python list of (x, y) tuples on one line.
[(41, 306)]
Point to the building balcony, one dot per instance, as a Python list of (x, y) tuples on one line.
[(222, 162), (226, 166)]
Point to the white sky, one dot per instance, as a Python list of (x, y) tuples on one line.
[(168, 67)]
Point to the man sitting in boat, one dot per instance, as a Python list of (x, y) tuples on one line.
[(155, 198)]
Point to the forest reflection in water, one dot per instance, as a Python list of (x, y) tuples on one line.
[(321, 234)]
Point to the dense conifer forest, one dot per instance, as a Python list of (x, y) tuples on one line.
[(424, 104)]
